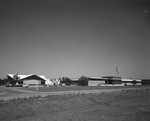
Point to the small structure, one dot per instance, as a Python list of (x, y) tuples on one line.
[(31, 80), (49, 83)]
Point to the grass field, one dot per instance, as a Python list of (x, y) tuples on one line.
[(127, 105)]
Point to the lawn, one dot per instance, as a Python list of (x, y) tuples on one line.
[(126, 105)]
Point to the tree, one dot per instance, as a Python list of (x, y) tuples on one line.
[(66, 80), (83, 81), (16, 77)]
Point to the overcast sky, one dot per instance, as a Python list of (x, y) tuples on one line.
[(72, 38)]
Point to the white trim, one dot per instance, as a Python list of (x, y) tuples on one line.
[(25, 76)]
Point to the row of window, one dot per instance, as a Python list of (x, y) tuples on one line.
[(97, 82)]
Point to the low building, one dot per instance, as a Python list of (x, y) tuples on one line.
[(31, 79)]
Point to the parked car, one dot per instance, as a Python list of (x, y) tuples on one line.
[(7, 85), (25, 85), (18, 85), (63, 84), (13, 85)]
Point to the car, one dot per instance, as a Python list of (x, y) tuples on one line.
[(17, 85), (63, 84), (7, 85), (25, 85), (13, 85)]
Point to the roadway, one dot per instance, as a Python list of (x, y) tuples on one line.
[(8, 93)]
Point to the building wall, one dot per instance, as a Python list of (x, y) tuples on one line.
[(146, 82), (30, 82), (96, 83)]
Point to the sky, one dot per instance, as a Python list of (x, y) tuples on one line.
[(72, 38)]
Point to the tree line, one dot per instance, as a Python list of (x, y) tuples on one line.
[(3, 81), (82, 81)]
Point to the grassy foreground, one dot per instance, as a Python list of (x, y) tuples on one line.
[(129, 105)]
